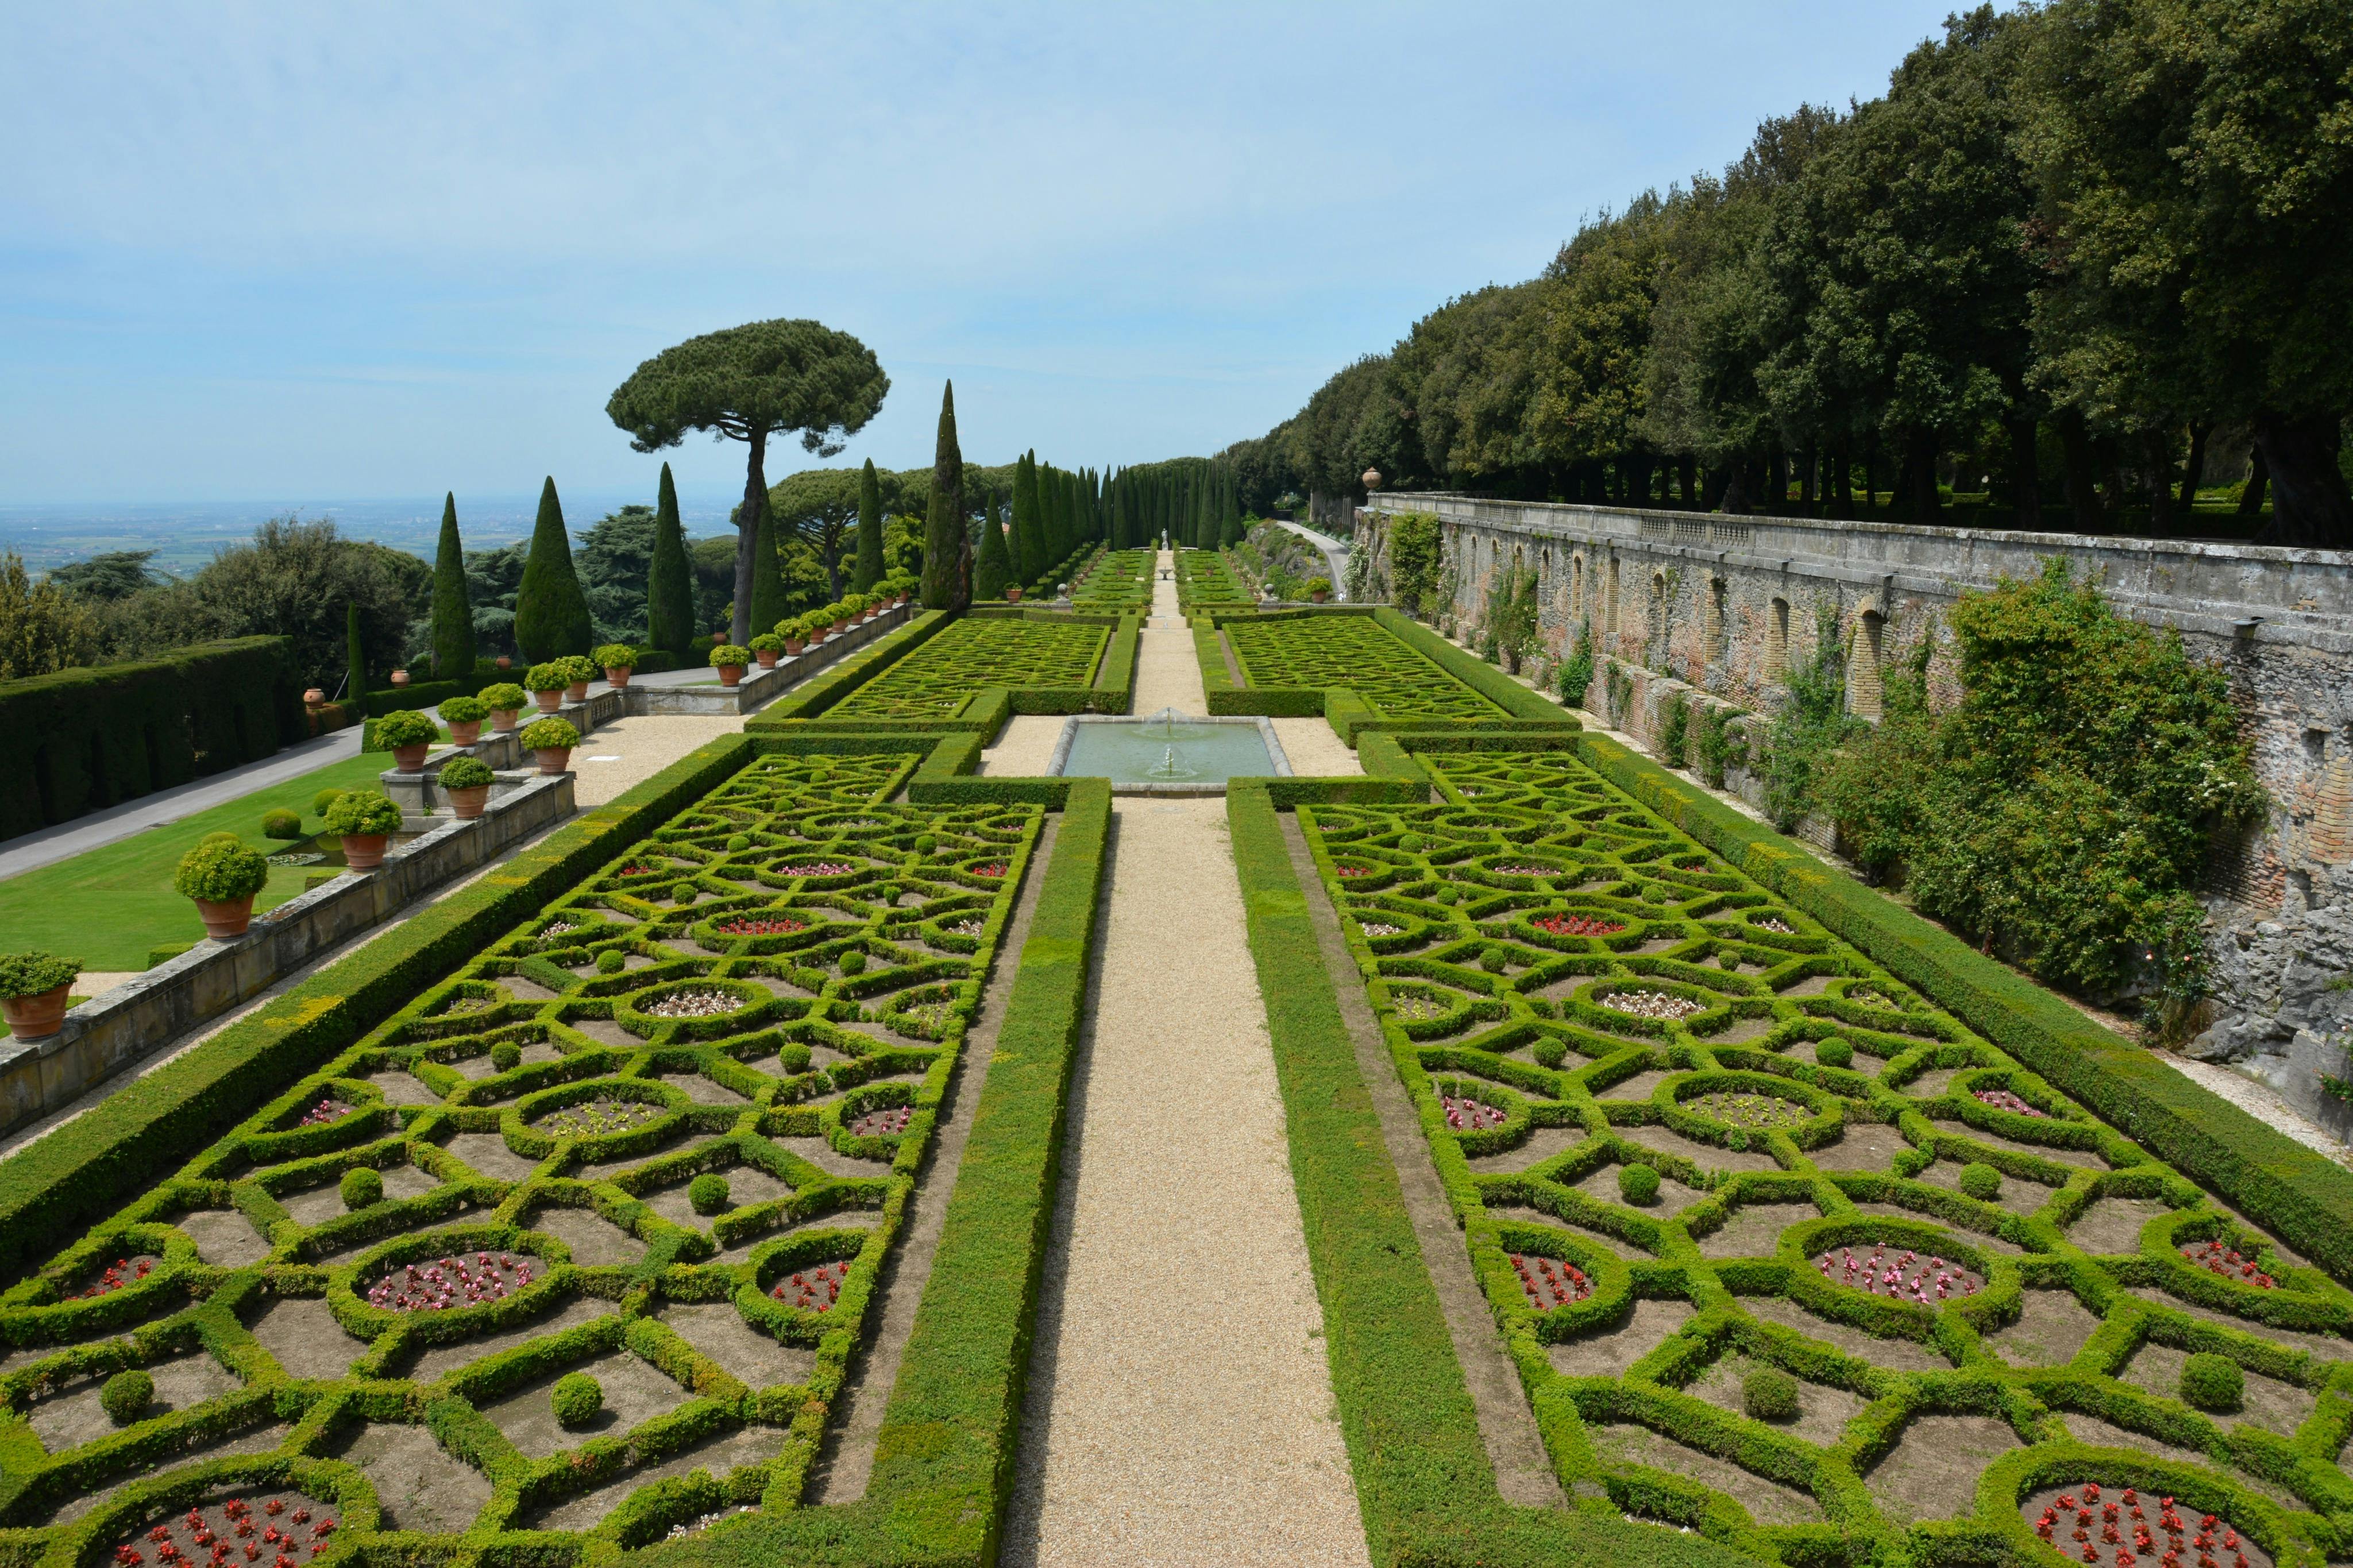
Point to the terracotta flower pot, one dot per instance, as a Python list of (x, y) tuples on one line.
[(553, 760), (410, 759), (796, 646), (503, 719), (616, 677), (469, 803), (467, 732), (730, 674), (228, 919), (364, 851), (577, 692), (767, 658), (400, 677), (30, 1017), (1319, 598), (314, 698), (1012, 596), (505, 663), (549, 701)]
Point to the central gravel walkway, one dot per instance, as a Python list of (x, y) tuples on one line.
[(1180, 1405)]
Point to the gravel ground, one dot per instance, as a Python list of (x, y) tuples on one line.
[(1166, 674), (1180, 1406), (1025, 747), (1313, 749), (640, 748)]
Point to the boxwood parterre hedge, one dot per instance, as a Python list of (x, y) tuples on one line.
[(940, 679), (774, 986), (1570, 986)]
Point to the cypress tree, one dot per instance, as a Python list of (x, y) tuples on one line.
[(453, 616), (945, 539), (992, 569), (1013, 561), (1030, 521), (768, 604), (551, 612), (670, 582), (356, 683), (870, 531)]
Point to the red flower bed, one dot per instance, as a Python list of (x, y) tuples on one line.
[(122, 1271), (1549, 1281), (2002, 1099), (993, 869), (2126, 1529), (2216, 1258), (451, 1284), (882, 1123), (813, 1290), (1577, 925), (1470, 1115), (1910, 1277), (286, 1529), (749, 925)]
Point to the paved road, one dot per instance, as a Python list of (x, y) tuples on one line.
[(1334, 553), (50, 844)]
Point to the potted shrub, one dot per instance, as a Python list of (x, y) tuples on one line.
[(408, 735), (766, 648), (34, 990), (794, 629), (464, 715), (222, 876), (1319, 588), (854, 604), (820, 623), (616, 659), (365, 819), (547, 682), (577, 673), (552, 740), (1013, 593), (729, 660), (467, 782), (503, 701)]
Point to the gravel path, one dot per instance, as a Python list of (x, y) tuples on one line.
[(631, 750), (1025, 747), (1180, 1405)]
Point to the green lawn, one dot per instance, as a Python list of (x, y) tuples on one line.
[(108, 905)]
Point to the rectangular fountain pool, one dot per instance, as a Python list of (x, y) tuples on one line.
[(1167, 753)]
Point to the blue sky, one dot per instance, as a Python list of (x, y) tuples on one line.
[(251, 252)]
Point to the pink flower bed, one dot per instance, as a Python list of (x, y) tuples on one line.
[(452, 1283), (2126, 1529), (815, 869), (813, 1290), (323, 1112), (1549, 1281), (2216, 1258), (1911, 1278), (882, 1123), (2002, 1099), (285, 1529), (1470, 1115), (747, 925)]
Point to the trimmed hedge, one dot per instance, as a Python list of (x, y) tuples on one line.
[(1475, 673), (813, 696), (93, 736), (2272, 1179)]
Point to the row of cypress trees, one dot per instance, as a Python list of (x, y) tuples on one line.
[(1055, 511), (551, 612), (1194, 501)]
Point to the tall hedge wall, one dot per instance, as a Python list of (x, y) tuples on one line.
[(85, 738)]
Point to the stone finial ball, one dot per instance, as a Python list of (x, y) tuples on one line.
[(1372, 479)]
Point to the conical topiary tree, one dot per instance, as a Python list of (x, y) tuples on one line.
[(944, 538), (354, 683), (453, 614), (551, 612), (992, 568), (868, 570), (669, 580)]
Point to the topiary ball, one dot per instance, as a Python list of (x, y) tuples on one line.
[(322, 800), (708, 1193), (126, 1396), (1637, 1184), (362, 1188), (1411, 843), (610, 962), (576, 1397), (506, 1056), (1980, 1181), (281, 824), (683, 893), (2212, 1381), (853, 962), (925, 844), (1768, 1394), (738, 844), (1834, 1054), (1493, 959)]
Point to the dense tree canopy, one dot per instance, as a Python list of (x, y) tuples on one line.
[(2071, 252)]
